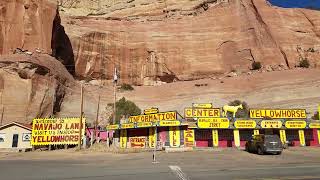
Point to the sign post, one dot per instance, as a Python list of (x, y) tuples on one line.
[(155, 146)]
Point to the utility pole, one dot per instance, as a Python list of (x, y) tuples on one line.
[(81, 113), (115, 80), (97, 117)]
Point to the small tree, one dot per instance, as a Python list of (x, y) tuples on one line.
[(126, 87), (241, 113), (256, 65), (304, 63), (315, 116), (125, 108)]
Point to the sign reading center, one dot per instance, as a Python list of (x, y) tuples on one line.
[(213, 123), (201, 112)]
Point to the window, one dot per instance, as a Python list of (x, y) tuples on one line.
[(2, 137)]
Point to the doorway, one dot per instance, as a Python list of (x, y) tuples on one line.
[(15, 139)]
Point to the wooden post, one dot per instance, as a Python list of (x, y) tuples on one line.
[(97, 117), (81, 113)]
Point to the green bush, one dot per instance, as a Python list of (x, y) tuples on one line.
[(126, 87), (304, 63), (241, 113), (125, 108), (256, 65), (315, 116)]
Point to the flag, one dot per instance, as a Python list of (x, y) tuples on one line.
[(115, 76)]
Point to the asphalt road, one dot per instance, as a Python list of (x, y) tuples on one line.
[(230, 164)]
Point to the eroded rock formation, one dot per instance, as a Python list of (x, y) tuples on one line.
[(192, 39)]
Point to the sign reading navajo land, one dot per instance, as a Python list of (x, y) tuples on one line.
[(213, 123), (165, 116), (201, 112), (56, 131), (278, 113)]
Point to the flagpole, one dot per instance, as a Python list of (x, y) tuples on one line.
[(115, 79)]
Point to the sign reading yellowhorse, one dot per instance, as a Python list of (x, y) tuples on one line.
[(213, 123), (151, 111), (144, 124), (314, 125), (113, 127), (127, 126), (278, 113), (164, 116), (169, 123), (56, 131), (202, 105), (202, 113), (271, 124), (245, 124), (295, 124)]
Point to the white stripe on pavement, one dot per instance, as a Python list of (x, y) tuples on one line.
[(177, 170)]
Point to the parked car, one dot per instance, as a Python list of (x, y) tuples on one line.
[(262, 144)]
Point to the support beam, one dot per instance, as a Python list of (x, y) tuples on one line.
[(215, 138), (283, 136), (236, 136), (123, 138), (301, 138)]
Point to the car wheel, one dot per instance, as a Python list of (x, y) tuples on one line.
[(247, 148), (279, 153), (259, 150)]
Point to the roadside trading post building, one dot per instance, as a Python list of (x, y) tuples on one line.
[(204, 126), (15, 136)]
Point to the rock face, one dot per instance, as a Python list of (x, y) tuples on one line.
[(26, 25), (184, 40), (31, 86)]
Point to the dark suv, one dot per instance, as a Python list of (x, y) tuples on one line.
[(262, 144)]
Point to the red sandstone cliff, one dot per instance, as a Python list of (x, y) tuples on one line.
[(170, 40)]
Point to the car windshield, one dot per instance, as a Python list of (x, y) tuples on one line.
[(271, 138)]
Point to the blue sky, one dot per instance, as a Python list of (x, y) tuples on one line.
[(296, 3)]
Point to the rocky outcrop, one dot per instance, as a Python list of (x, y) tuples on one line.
[(26, 25), (191, 39), (31, 86)]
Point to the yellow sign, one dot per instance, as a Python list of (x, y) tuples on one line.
[(144, 124), (123, 138), (137, 142), (318, 132), (189, 138), (151, 111), (215, 138), (169, 123), (152, 137), (256, 132), (202, 105), (236, 136), (127, 126), (296, 124), (174, 133), (165, 116), (319, 111), (245, 124), (278, 113), (213, 123), (201, 112), (314, 125), (113, 127), (283, 136), (271, 124), (301, 138), (56, 131)]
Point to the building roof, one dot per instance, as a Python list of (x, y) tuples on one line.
[(22, 125)]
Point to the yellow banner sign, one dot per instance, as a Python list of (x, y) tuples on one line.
[(151, 111), (283, 137), (189, 138), (213, 123), (271, 124), (56, 131), (169, 123), (137, 142), (314, 125), (127, 126), (123, 138), (201, 112), (295, 124), (278, 113), (113, 127), (165, 116), (245, 124), (152, 137), (144, 124), (215, 138), (302, 138), (174, 134), (202, 105)]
